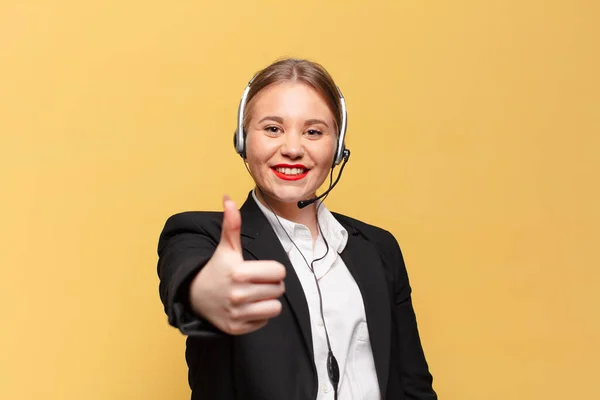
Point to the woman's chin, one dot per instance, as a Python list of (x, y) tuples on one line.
[(288, 195)]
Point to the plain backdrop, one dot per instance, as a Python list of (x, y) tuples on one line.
[(474, 128)]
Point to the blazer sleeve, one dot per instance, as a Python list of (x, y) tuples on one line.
[(415, 376), (184, 247)]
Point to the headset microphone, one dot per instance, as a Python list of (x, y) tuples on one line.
[(305, 203)]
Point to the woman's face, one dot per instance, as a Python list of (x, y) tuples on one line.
[(291, 140)]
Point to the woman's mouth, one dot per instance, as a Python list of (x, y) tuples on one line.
[(290, 172)]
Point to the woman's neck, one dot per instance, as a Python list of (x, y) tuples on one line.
[(290, 211)]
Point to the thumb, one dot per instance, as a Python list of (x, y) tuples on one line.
[(232, 223)]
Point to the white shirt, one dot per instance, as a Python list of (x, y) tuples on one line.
[(343, 307)]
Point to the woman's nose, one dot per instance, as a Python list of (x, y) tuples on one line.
[(292, 146)]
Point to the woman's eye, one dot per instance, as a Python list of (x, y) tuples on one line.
[(314, 132), (272, 129)]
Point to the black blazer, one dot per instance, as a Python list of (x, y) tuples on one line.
[(276, 362)]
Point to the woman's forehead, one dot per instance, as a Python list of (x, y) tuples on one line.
[(289, 100)]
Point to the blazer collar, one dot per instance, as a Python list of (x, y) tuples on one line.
[(362, 259)]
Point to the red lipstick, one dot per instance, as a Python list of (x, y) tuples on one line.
[(290, 177)]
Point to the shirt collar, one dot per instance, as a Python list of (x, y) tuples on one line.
[(335, 234)]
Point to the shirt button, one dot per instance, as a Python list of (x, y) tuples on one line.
[(325, 388), (320, 322)]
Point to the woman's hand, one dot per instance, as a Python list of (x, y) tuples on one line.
[(234, 295)]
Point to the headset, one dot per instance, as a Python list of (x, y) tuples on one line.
[(239, 138)]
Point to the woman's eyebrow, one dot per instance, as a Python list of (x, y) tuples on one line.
[(272, 118), (315, 121)]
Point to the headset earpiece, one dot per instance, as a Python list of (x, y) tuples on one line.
[(242, 153), (341, 145)]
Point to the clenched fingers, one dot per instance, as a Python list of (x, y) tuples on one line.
[(252, 292), (259, 272), (257, 311)]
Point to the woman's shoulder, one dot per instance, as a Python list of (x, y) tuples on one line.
[(383, 241), (369, 231), (194, 221)]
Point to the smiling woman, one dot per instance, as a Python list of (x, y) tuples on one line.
[(284, 299)]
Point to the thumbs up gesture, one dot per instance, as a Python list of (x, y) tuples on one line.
[(235, 295)]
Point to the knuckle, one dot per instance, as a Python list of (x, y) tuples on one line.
[(281, 270), (276, 308), (236, 297), (233, 328), (239, 329), (233, 313), (238, 275), (277, 268)]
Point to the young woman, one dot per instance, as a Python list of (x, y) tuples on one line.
[(283, 299)]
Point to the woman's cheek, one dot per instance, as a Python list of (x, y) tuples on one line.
[(321, 177)]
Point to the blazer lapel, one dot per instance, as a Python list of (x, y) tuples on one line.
[(259, 239), (364, 263), (362, 260)]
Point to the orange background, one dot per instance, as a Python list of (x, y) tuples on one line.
[(474, 128)]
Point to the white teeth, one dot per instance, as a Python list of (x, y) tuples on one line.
[(290, 171)]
